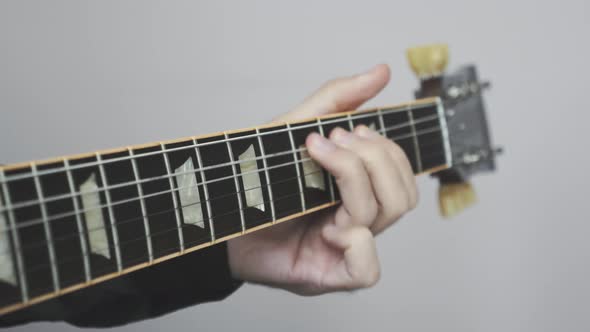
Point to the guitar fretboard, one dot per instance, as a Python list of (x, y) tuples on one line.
[(73, 221)]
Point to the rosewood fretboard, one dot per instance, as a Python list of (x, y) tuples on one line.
[(70, 222)]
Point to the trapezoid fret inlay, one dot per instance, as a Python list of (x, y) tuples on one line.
[(97, 235), (188, 190), (251, 179), (6, 265), (312, 172)]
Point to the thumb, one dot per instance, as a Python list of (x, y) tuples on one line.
[(360, 265), (341, 94)]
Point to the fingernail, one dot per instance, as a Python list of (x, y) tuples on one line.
[(341, 136), (366, 132), (321, 144), (369, 71)]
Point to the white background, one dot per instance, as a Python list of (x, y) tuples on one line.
[(79, 75)]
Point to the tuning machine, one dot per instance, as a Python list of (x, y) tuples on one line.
[(460, 92), (455, 92)]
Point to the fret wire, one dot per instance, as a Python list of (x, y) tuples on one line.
[(77, 212), (235, 176), (146, 224), (408, 124), (33, 221), (107, 195), (415, 139), (183, 206), (360, 115), (180, 207), (421, 132), (206, 191), (295, 160), (330, 182), (124, 184), (445, 132), (3, 181), (132, 261), (154, 178), (264, 164), (169, 250), (174, 200), (350, 124), (47, 229), (66, 260), (128, 200), (381, 122), (231, 212), (18, 253)]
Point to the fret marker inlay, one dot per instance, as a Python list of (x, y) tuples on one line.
[(97, 235), (190, 200), (6, 266), (251, 179), (313, 175)]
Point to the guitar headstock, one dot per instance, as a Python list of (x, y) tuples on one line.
[(461, 94)]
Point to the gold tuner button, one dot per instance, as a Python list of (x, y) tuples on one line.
[(455, 197), (429, 60)]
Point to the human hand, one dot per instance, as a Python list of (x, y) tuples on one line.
[(334, 249)]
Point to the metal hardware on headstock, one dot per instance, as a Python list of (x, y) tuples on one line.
[(461, 94)]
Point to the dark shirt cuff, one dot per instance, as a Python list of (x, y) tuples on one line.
[(181, 282)]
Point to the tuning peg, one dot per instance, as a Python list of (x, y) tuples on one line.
[(455, 197), (429, 60)]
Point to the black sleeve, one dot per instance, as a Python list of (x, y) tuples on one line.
[(201, 276)]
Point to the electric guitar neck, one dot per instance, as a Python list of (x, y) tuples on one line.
[(70, 222)]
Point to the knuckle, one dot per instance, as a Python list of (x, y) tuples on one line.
[(362, 234), (389, 212), (372, 210), (374, 153), (375, 277), (382, 139), (397, 213), (396, 150), (351, 164), (398, 209), (406, 205), (371, 277), (415, 198)]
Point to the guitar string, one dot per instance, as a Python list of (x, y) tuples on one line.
[(97, 273), (155, 234), (206, 168), (128, 220), (125, 221), (174, 248), (64, 261), (314, 122), (57, 217), (104, 188), (233, 176), (143, 238), (122, 222)]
